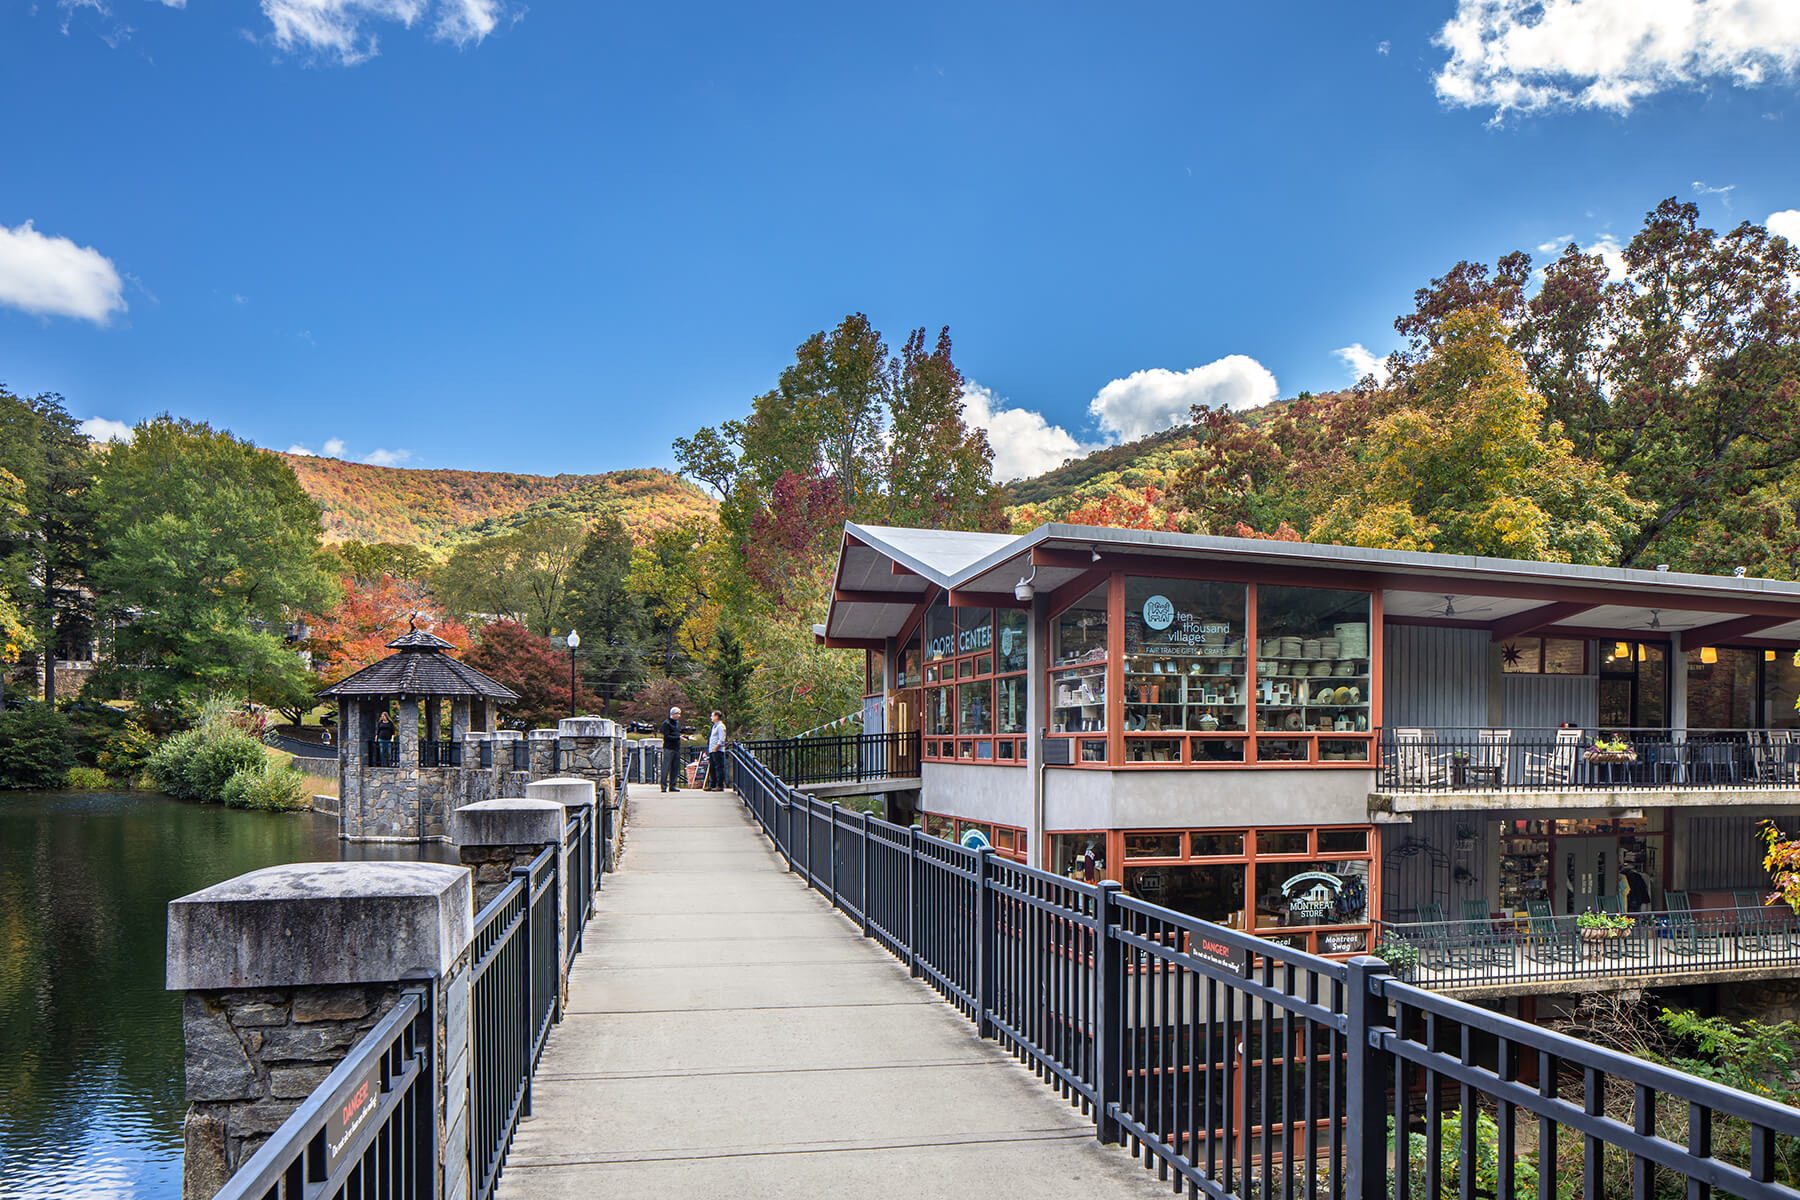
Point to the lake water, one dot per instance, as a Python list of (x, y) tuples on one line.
[(90, 1043)]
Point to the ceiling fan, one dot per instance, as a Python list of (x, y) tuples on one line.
[(1450, 609), (1656, 622)]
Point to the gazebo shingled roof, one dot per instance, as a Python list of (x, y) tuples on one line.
[(419, 668)]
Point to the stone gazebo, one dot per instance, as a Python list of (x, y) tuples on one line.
[(402, 789)]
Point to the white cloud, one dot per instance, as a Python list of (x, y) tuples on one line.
[(1785, 223), (340, 29), (1145, 402), (301, 451), (1611, 253), (1382, 47), (334, 447), (1702, 188), (103, 429), (55, 277), (1555, 245), (386, 458), (1024, 443), (1362, 362), (1530, 55)]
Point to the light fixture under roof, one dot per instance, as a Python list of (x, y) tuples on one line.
[(1093, 554)]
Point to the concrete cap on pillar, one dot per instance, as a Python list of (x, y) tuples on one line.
[(307, 924), (542, 735), (565, 790), (600, 727), (506, 735), (509, 822), (478, 735)]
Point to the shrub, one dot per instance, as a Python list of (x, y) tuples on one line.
[(126, 753), (197, 763), (267, 787), (34, 748), (85, 779)]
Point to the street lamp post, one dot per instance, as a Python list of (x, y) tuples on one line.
[(574, 640)]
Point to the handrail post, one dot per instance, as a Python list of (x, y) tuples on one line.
[(912, 899), (1366, 1071), (831, 847), (985, 943), (527, 1026), (1109, 1015), (863, 903)]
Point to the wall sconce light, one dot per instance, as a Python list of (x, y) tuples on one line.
[(1709, 654)]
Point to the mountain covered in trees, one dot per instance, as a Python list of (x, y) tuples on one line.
[(438, 509)]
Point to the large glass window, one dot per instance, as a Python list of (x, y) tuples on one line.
[(1185, 656), (1323, 892), (975, 708), (1078, 684), (1010, 635), (1544, 656), (938, 718), (974, 630), (908, 676), (1010, 705), (1313, 662), (940, 632), (1722, 691), (1212, 893), (1781, 684)]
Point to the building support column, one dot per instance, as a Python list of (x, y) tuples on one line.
[(1037, 720), (1678, 684)]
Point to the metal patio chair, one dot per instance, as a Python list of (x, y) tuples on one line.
[(1755, 922), (1485, 945), (1557, 767), (1545, 937), (1689, 933), (1717, 761)]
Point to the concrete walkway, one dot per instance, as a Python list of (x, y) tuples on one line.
[(729, 1034)]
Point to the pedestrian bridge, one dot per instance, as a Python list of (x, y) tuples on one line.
[(727, 1033), (994, 1030)]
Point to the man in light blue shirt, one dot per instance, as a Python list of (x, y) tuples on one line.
[(715, 754)]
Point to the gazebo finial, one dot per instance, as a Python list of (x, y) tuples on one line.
[(412, 621)]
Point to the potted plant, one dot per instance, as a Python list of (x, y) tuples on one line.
[(1597, 928), (1401, 956), (1611, 750)]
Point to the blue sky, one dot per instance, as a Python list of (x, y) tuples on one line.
[(553, 237)]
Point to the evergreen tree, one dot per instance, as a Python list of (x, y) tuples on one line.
[(609, 616)]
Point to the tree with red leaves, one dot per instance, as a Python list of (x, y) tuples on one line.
[(792, 538), (372, 614), (533, 667)]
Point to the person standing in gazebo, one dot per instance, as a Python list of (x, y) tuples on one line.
[(384, 739)]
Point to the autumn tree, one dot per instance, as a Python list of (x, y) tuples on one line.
[(356, 632), (1467, 464), (535, 668), (939, 470), (367, 562)]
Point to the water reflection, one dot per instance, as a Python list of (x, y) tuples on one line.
[(90, 1043)]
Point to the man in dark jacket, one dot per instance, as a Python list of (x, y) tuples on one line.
[(671, 736)]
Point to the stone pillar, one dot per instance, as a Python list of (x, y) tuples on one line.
[(573, 795), (543, 753), (587, 745), (493, 837), (459, 720), (434, 719), (285, 969), (408, 722)]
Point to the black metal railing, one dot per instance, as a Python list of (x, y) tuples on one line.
[(857, 759), (1515, 760), (1709, 942), (370, 1129), (524, 939), (440, 753), (382, 752), (1243, 1068)]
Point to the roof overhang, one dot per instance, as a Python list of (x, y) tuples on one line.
[(884, 574)]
